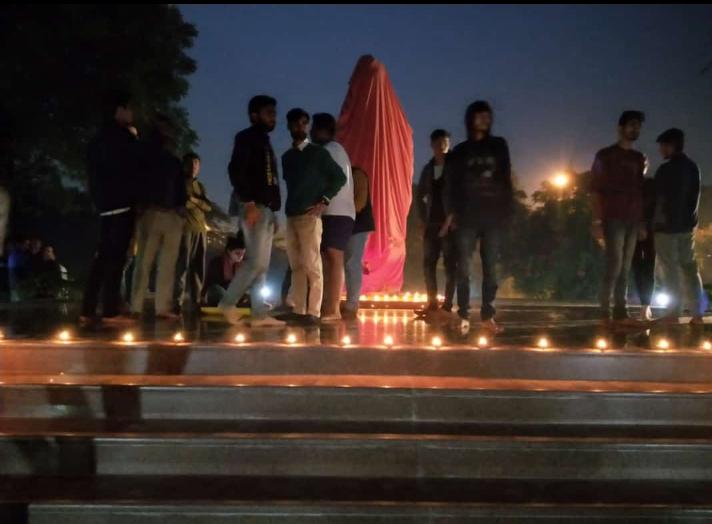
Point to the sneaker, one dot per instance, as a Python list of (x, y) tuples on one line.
[(266, 322), (349, 314), (491, 326), (121, 319), (646, 314), (232, 316), (309, 321)]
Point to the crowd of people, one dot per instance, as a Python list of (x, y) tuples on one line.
[(464, 198), (34, 272)]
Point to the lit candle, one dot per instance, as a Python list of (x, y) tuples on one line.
[(663, 343), (482, 342), (128, 337), (601, 343), (291, 338), (346, 340), (240, 338), (707, 345), (436, 342), (64, 336), (178, 337), (543, 342), (388, 340)]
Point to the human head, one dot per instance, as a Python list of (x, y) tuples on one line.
[(440, 142), (48, 253), (298, 124), (478, 118), (629, 125), (323, 128), (118, 108), (35, 246), (235, 247), (262, 111), (671, 142), (191, 164)]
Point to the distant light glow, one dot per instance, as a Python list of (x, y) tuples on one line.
[(662, 299), (560, 180), (265, 292)]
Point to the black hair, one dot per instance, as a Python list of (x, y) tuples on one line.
[(673, 136), (324, 122), (115, 99), (478, 106), (629, 115), (259, 102), (438, 134), (236, 242), (297, 114), (190, 156)]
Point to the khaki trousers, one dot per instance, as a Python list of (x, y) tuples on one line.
[(303, 250)]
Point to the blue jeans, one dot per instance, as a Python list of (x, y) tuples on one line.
[(466, 241), (353, 268), (620, 239), (676, 258), (252, 273)]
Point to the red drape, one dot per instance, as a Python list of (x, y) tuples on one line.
[(374, 131)]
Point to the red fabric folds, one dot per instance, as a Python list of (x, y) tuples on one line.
[(374, 131)]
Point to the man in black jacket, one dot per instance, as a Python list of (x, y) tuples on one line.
[(478, 203), (677, 191), (431, 210), (112, 165), (160, 225), (256, 200)]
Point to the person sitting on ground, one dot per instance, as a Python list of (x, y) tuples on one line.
[(221, 270)]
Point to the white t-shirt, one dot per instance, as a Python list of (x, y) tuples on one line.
[(343, 203), (437, 171)]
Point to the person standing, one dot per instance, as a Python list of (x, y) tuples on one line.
[(643, 264), (256, 200), (313, 179), (677, 190), (431, 210), (112, 165), (338, 219), (160, 224), (617, 210), (190, 271), (353, 256), (478, 204)]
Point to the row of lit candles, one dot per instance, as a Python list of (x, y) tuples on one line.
[(128, 337), (397, 297)]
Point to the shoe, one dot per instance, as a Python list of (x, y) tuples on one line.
[(168, 316), (118, 320), (326, 319), (646, 314), (309, 321), (697, 321), (432, 306), (266, 322), (349, 314), (232, 316), (491, 326)]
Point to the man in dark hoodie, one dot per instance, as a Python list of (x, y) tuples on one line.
[(431, 210), (256, 200), (112, 165), (677, 189), (160, 225), (478, 202)]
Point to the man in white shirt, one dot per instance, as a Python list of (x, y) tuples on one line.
[(338, 219)]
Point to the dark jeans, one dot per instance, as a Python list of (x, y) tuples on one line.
[(108, 265), (620, 239), (466, 241), (433, 246), (190, 268), (644, 269)]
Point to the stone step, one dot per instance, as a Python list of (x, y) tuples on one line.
[(358, 514), (81, 410), (228, 365), (386, 456)]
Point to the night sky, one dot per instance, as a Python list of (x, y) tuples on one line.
[(557, 76)]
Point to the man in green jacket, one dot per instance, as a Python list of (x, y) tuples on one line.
[(190, 271), (312, 178)]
